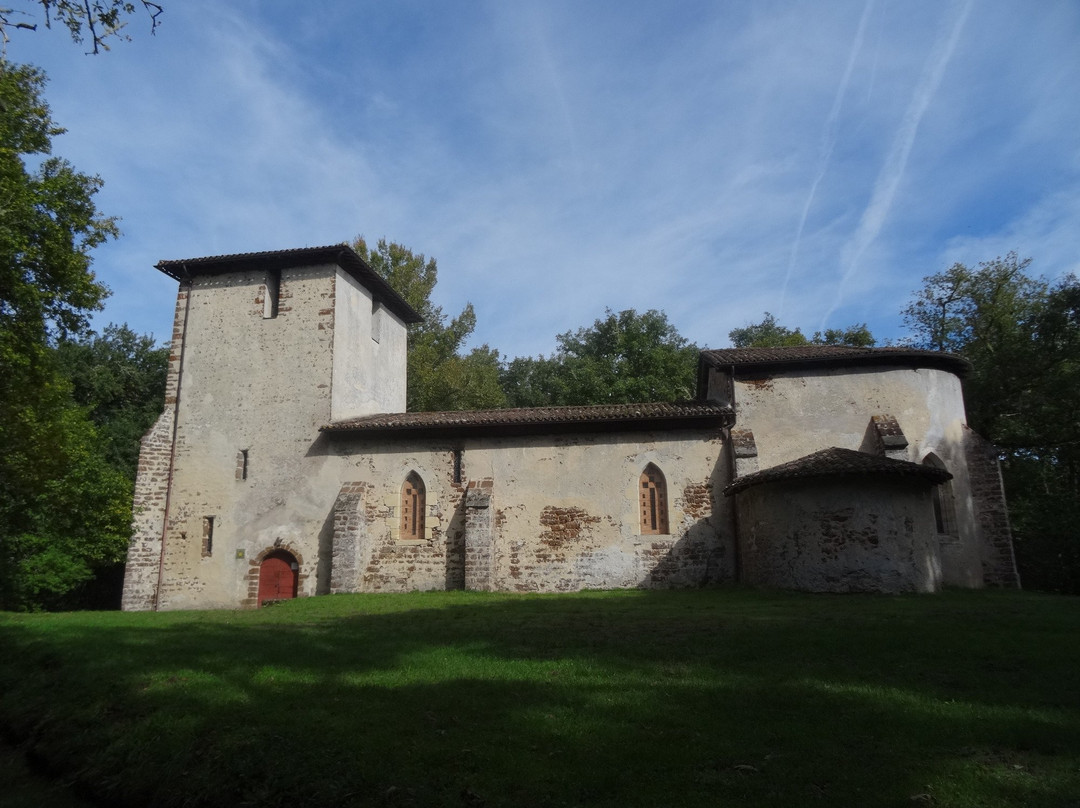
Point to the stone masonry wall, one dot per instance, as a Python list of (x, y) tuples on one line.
[(839, 534), (152, 482), (479, 549), (530, 514), (256, 386), (350, 530), (566, 512), (991, 512)]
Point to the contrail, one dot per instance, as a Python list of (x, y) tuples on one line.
[(828, 142), (892, 171)]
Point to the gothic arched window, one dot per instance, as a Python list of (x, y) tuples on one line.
[(412, 508), (944, 503), (652, 501)]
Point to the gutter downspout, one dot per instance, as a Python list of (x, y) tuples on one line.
[(735, 534), (176, 422)]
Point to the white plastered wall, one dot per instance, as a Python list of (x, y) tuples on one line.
[(369, 354)]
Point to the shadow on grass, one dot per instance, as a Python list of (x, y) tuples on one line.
[(632, 698)]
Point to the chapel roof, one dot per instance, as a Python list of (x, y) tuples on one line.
[(341, 254), (746, 360), (540, 420), (835, 461)]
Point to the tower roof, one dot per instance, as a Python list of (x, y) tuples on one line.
[(341, 254)]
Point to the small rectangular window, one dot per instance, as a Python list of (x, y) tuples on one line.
[(271, 293), (457, 465), (242, 464), (207, 536)]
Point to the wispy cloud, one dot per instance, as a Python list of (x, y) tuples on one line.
[(716, 161), (828, 143), (892, 170)]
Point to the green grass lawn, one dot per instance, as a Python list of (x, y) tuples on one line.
[(713, 697)]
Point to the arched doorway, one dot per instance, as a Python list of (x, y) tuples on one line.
[(279, 574)]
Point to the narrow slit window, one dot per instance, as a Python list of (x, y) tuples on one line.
[(376, 319), (207, 536), (242, 464), (412, 508), (652, 501), (271, 293), (457, 465)]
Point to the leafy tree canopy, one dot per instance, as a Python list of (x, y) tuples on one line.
[(118, 377), (770, 334), (1001, 319), (625, 357), (63, 510), (440, 375), (95, 21), (50, 221)]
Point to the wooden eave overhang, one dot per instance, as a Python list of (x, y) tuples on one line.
[(340, 254), (537, 421), (837, 462)]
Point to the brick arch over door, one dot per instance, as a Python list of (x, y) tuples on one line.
[(283, 552)]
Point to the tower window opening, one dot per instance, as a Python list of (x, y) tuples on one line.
[(272, 290)]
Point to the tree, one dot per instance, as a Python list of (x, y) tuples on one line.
[(96, 20), (118, 377), (770, 334), (990, 315), (61, 506), (50, 222), (440, 376), (1022, 336), (623, 358), (68, 516), (854, 336), (766, 334)]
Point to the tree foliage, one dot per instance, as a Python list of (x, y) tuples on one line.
[(625, 357), (93, 21), (64, 511), (118, 377), (1022, 336), (50, 222), (440, 375), (770, 334)]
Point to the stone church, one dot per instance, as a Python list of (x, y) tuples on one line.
[(284, 464)]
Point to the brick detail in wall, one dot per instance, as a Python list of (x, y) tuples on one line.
[(151, 484), (479, 536), (991, 512)]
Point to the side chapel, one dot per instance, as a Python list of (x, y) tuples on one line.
[(284, 464)]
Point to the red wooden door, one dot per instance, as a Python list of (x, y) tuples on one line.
[(277, 577)]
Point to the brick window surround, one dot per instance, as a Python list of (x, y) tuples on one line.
[(652, 501), (412, 508)]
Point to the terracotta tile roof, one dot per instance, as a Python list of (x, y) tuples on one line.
[(341, 254), (536, 420), (747, 359), (835, 461)]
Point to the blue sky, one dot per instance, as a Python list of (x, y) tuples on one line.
[(712, 159)]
